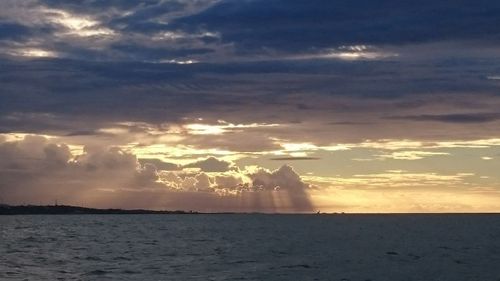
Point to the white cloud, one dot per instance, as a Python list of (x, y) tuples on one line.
[(411, 155), (222, 127)]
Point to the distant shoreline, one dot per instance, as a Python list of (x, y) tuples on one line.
[(75, 210)]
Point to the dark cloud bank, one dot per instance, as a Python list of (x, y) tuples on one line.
[(245, 72)]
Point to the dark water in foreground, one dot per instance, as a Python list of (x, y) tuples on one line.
[(250, 247)]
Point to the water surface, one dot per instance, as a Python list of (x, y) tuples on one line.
[(250, 247)]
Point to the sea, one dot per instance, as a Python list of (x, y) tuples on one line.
[(250, 247)]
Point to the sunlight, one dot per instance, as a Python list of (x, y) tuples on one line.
[(222, 127), (179, 154), (11, 137), (403, 201), (83, 26), (34, 53)]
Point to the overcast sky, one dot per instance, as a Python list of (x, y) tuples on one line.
[(251, 105)]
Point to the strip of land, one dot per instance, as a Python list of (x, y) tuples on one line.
[(74, 210)]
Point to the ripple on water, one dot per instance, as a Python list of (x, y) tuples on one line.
[(97, 272), (120, 258), (128, 271), (92, 258)]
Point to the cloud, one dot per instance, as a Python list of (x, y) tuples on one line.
[(212, 164), (286, 181), (96, 158), (13, 31), (203, 182), (32, 154), (91, 96), (145, 175), (383, 22), (287, 82), (210, 30), (160, 165), (411, 155), (395, 179), (98, 6), (145, 53), (231, 181), (453, 118), (283, 178), (35, 169), (294, 158)]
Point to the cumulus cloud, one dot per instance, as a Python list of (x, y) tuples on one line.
[(113, 158), (33, 153), (231, 180), (285, 177), (284, 180), (160, 165), (203, 182), (36, 169), (145, 175)]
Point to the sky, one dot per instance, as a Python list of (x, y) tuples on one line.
[(251, 105)]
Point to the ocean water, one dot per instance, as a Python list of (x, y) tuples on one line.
[(250, 247)]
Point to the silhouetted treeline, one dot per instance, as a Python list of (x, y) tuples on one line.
[(69, 210)]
